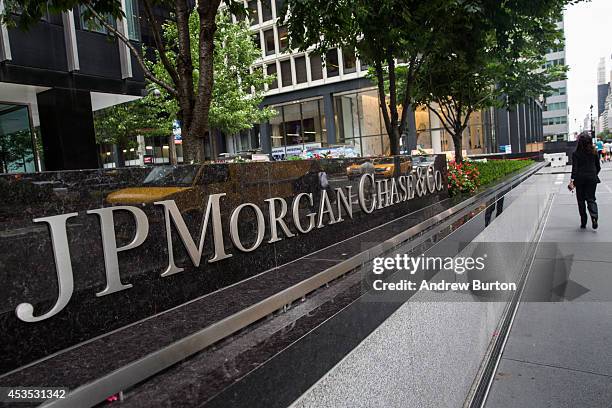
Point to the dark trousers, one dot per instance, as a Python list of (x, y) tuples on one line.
[(585, 194)]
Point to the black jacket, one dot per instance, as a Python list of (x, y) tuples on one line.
[(585, 167)]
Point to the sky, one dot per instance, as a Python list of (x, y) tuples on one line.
[(588, 37)]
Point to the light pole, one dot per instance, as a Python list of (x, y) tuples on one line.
[(592, 128)]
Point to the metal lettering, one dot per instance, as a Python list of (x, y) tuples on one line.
[(403, 188), (109, 244), (171, 212), (394, 195), (362, 193), (296, 213), (325, 207), (276, 220), (343, 201), (261, 227), (380, 193), (431, 176), (63, 268)]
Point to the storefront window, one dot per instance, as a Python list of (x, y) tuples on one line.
[(359, 123), (16, 143), (298, 123), (423, 132)]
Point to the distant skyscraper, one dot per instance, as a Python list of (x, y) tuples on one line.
[(603, 86), (601, 71), (555, 117)]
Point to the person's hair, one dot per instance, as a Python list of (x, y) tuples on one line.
[(585, 144)]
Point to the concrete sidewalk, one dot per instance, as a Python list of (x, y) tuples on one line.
[(559, 351)]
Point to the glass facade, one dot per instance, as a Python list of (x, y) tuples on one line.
[(16, 140), (298, 123), (359, 123)]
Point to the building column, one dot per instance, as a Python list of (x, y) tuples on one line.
[(265, 138), (5, 46), (436, 135), (514, 128), (67, 129), (330, 122)]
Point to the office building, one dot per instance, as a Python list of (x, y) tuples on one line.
[(555, 115), (327, 100), (52, 77)]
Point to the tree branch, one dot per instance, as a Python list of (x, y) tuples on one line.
[(159, 44), (147, 73), (442, 119)]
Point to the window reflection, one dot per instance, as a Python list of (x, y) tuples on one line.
[(16, 146)]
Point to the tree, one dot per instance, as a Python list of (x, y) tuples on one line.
[(492, 55), (238, 89), (192, 90), (382, 32)]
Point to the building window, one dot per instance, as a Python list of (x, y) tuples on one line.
[(253, 14), (266, 10), (331, 63), (256, 41), (16, 141), (349, 61), (269, 41), (359, 123), (286, 79), (300, 123), (133, 24), (300, 70), (283, 38), (271, 71), (556, 106), (316, 67), (93, 24), (280, 4)]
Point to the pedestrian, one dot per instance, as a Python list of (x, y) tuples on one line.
[(600, 149), (608, 151), (585, 171)]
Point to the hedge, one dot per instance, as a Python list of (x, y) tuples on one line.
[(493, 170)]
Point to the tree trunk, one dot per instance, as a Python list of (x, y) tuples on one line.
[(458, 149), (394, 135), (198, 123), (458, 142), (193, 147)]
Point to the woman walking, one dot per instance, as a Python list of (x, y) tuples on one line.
[(585, 170)]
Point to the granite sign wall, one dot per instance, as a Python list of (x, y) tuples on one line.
[(85, 252)]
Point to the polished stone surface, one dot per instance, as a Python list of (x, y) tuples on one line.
[(428, 352), (28, 273)]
